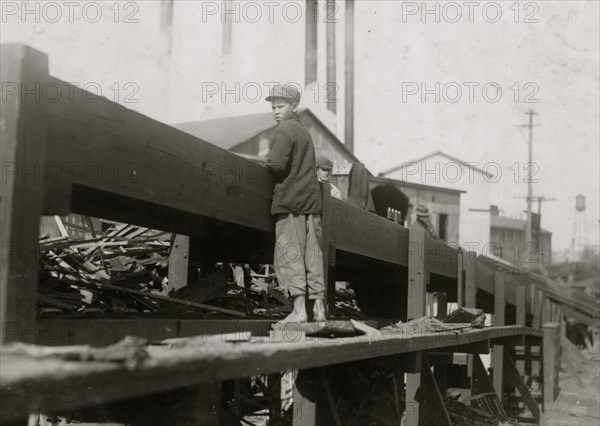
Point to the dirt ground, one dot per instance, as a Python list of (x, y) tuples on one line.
[(578, 405)]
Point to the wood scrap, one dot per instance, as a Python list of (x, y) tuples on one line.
[(474, 316), (129, 351)]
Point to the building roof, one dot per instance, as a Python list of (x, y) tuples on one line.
[(384, 180), (503, 222), (433, 154), (229, 132)]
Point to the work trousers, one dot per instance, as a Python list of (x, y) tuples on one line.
[(298, 256)]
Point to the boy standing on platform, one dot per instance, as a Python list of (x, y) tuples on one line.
[(296, 207)]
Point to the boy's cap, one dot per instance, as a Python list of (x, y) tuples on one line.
[(288, 91), (422, 210), (324, 163)]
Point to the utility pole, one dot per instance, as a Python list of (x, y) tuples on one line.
[(540, 199), (528, 239)]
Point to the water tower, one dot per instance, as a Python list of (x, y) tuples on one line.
[(579, 237)]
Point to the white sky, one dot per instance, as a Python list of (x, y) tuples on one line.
[(558, 56)]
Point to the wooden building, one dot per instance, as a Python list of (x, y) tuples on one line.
[(250, 135), (439, 169)]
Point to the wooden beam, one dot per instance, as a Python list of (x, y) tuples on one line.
[(581, 317), (499, 320), (23, 151), (481, 347), (28, 382)]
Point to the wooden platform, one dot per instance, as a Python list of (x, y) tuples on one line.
[(51, 385)]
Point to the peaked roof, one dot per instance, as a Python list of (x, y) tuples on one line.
[(433, 154), (229, 132)]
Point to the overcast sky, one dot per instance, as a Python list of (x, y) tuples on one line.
[(558, 56), (542, 55)]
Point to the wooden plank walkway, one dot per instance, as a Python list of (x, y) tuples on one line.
[(28, 384)]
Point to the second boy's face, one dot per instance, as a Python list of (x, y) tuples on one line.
[(282, 110)]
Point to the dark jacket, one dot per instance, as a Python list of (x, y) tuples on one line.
[(293, 165)]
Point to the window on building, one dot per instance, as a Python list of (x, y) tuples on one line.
[(442, 225)]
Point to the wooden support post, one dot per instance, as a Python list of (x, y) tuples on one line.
[(429, 304), (546, 310), (440, 372), (274, 387), (330, 280), (520, 318), (432, 409), (417, 288), (179, 262), (23, 152), (305, 398), (536, 308), (551, 362), (417, 275), (470, 261), (328, 251), (460, 284), (442, 305), (499, 320), (499, 298), (520, 303)]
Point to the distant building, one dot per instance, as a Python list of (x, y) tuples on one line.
[(439, 169), (443, 204), (507, 241)]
